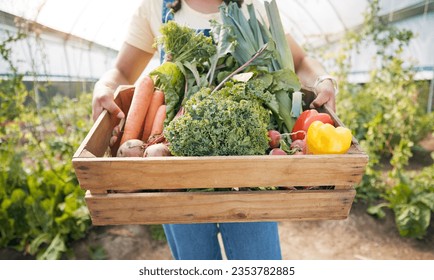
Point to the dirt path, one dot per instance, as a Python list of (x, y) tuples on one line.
[(358, 237)]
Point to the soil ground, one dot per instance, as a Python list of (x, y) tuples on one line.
[(360, 236)]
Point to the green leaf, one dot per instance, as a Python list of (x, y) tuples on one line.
[(243, 77), (285, 56), (54, 250), (193, 69), (157, 232), (399, 195), (42, 238), (35, 166), (285, 145), (412, 220), (97, 253), (255, 25), (169, 78), (426, 199), (285, 108), (377, 210), (286, 80), (226, 43)]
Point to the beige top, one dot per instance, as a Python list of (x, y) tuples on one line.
[(146, 21)]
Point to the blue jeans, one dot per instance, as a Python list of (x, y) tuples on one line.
[(242, 241)]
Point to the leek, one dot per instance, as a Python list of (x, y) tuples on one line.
[(284, 58), (277, 58)]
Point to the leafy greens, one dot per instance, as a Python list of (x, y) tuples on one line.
[(230, 121)]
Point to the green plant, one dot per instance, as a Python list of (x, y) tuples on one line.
[(41, 205), (412, 201), (387, 119), (97, 253), (157, 232)]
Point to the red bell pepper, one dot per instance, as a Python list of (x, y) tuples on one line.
[(305, 119)]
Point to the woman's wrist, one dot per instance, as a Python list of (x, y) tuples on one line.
[(331, 82)]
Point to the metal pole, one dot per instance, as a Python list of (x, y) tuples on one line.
[(431, 93)]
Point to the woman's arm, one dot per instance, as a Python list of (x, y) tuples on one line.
[(308, 70), (129, 65)]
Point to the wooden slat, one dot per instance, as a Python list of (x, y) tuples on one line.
[(100, 136), (124, 89), (218, 172), (97, 140), (160, 208), (86, 154), (343, 187)]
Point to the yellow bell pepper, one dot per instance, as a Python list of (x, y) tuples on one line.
[(324, 138)]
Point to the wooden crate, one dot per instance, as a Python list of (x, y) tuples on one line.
[(151, 190)]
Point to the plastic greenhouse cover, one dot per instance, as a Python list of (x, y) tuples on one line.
[(312, 22), (105, 22), (100, 21)]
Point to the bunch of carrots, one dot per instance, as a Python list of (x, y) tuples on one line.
[(144, 121)]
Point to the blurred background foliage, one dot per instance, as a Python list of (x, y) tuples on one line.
[(388, 116), (42, 207)]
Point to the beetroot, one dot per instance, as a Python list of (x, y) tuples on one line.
[(277, 152), (131, 148), (157, 150)]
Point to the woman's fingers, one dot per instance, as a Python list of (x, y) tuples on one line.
[(114, 109), (105, 101), (325, 95)]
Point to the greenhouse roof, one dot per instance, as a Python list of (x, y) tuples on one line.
[(105, 22), (103, 25)]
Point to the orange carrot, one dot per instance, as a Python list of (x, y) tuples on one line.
[(139, 106), (156, 102), (158, 125)]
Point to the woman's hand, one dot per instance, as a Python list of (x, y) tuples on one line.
[(103, 98), (129, 64), (325, 95), (308, 69)]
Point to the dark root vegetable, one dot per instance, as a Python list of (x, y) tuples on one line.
[(157, 150), (132, 148), (275, 137), (299, 146), (277, 151)]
